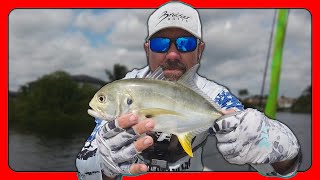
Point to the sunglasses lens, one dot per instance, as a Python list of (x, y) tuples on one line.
[(183, 44), (159, 44), (186, 44)]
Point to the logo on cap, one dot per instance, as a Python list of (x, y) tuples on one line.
[(172, 16)]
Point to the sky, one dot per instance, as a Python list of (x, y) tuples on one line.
[(88, 41)]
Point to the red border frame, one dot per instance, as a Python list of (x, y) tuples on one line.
[(9, 5)]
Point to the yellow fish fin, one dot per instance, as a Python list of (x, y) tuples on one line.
[(186, 138), (152, 112), (185, 141)]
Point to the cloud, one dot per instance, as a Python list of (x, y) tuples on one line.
[(89, 41), (97, 23), (128, 32), (25, 23), (244, 37), (237, 54)]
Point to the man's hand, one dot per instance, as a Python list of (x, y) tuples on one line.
[(119, 142), (250, 137)]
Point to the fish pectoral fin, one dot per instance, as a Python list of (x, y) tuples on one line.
[(152, 112), (185, 141)]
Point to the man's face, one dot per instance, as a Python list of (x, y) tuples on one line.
[(173, 62)]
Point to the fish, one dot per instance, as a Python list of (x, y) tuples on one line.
[(177, 107)]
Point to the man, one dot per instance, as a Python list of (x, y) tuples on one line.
[(175, 43)]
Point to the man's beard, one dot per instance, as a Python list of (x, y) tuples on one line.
[(174, 69)]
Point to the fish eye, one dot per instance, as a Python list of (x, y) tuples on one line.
[(129, 101), (101, 98)]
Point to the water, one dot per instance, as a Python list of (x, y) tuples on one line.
[(31, 153)]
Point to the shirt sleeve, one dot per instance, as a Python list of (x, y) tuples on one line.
[(88, 167), (226, 100)]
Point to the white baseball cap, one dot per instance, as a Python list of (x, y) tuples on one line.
[(175, 14)]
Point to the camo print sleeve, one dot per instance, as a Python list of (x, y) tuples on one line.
[(255, 140), (86, 162), (226, 101)]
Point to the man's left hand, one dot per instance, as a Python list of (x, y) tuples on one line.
[(250, 137)]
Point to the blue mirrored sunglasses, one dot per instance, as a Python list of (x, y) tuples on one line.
[(183, 44)]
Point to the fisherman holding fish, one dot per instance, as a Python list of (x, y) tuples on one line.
[(158, 118)]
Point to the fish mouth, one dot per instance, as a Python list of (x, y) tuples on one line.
[(95, 114), (99, 115)]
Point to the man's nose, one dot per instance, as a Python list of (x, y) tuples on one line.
[(173, 53)]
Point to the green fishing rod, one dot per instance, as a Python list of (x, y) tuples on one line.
[(271, 104)]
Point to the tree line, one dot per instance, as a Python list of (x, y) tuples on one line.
[(301, 104), (55, 105)]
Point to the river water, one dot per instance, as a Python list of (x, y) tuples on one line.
[(31, 153)]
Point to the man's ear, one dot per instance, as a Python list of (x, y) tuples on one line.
[(146, 48), (200, 50)]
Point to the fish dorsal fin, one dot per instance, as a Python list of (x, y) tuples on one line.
[(156, 74), (187, 79)]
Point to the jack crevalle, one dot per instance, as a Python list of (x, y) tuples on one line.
[(178, 108)]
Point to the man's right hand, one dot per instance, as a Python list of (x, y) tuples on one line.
[(120, 141)]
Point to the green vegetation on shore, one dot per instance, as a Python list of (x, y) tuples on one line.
[(304, 102), (54, 105)]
